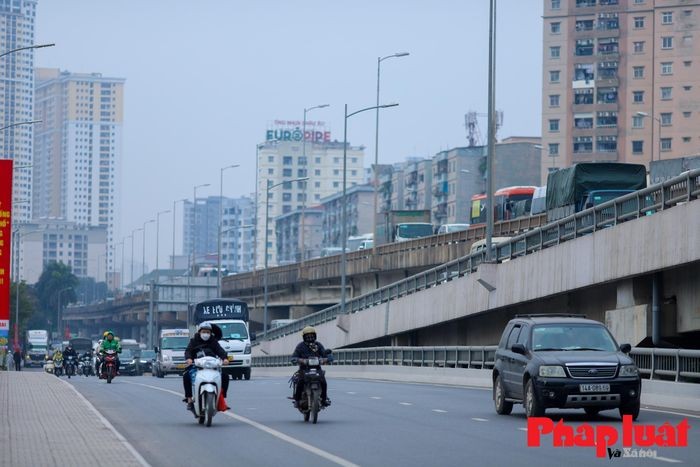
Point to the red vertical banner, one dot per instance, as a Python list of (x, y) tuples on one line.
[(5, 246)]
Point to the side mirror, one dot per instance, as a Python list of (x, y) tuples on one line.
[(155, 348), (519, 349), (327, 352), (625, 348), (253, 336)]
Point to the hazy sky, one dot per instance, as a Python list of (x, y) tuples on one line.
[(205, 77)]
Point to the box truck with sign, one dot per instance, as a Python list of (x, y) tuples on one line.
[(231, 316), (36, 348), (170, 352)]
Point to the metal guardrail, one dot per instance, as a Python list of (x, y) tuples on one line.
[(642, 203), (678, 364)]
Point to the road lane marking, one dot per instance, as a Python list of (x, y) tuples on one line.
[(476, 419), (522, 428), (271, 431), (666, 459), (375, 397), (671, 412), (109, 426), (405, 403), (439, 411), (352, 393)]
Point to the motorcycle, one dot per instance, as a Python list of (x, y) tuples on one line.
[(58, 366), (69, 365), (311, 375), (49, 366), (109, 366), (85, 367), (206, 385)]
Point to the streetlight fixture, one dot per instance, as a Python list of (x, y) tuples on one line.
[(269, 187), (376, 143), (306, 165), (491, 128), (237, 227), (131, 275), (344, 227), (38, 46), (158, 234), (28, 122), (174, 206), (644, 115), (221, 222), (193, 233), (143, 252)]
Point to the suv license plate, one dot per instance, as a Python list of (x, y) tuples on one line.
[(594, 387)]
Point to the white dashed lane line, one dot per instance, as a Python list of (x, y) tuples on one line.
[(405, 403), (375, 397), (479, 419), (351, 393), (439, 411)]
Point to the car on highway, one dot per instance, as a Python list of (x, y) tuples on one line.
[(146, 360), (563, 361), (129, 363)]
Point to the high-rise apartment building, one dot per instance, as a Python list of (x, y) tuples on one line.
[(78, 150), (621, 81), (281, 160), (17, 98)]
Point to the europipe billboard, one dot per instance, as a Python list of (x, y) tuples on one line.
[(5, 245)]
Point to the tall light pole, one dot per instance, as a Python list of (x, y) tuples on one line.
[(143, 252), (376, 145), (158, 234), (121, 271), (18, 234), (344, 227), (183, 217), (28, 122), (306, 169), (38, 46), (644, 114), (269, 187), (238, 227), (491, 128), (131, 275), (221, 223), (58, 313), (193, 231)]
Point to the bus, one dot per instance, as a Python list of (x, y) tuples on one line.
[(510, 203)]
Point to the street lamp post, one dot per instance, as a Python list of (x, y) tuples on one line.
[(491, 128), (131, 275), (193, 231), (644, 114), (158, 235), (306, 168), (174, 206), (221, 222), (269, 187), (58, 313), (38, 46), (238, 227), (18, 234), (376, 145), (143, 252), (344, 227)]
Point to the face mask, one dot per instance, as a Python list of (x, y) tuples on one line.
[(205, 336)]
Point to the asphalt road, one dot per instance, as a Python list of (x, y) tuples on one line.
[(370, 424)]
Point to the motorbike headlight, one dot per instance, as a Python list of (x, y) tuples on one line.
[(247, 349), (552, 371), (629, 370)]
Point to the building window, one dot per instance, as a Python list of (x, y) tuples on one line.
[(608, 45), (553, 149), (286, 196), (608, 70), (607, 119), (554, 52), (666, 68), (638, 72), (584, 47), (584, 25), (583, 96), (555, 28), (318, 160), (638, 22), (637, 147), (556, 4), (606, 143), (667, 17), (687, 13), (666, 118), (638, 47), (270, 171), (687, 114), (665, 144), (336, 184), (554, 125), (666, 93), (554, 76), (317, 172), (607, 95), (317, 184), (554, 100), (667, 42), (638, 97), (687, 63), (686, 139), (287, 172), (583, 144), (637, 121), (287, 160), (583, 121), (584, 3)]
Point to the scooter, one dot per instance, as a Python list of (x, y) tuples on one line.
[(206, 386), (109, 366), (58, 366), (85, 367), (49, 366), (69, 366)]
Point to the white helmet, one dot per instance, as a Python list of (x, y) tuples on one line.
[(205, 325)]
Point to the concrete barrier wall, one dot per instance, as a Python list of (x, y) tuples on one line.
[(665, 240)]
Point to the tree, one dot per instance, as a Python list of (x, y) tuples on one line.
[(27, 305), (55, 278)]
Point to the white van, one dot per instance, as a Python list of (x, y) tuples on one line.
[(170, 352), (480, 245), (448, 228)]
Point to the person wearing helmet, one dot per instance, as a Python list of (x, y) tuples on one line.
[(69, 351), (203, 341), (307, 348), (110, 343)]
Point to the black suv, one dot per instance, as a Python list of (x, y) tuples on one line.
[(563, 361)]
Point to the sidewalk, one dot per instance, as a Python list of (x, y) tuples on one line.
[(45, 422)]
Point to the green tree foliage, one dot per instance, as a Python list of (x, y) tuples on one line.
[(56, 277)]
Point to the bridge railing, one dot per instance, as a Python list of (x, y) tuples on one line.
[(642, 203), (676, 364)]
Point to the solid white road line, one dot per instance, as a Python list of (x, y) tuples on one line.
[(479, 419), (666, 459), (671, 412), (277, 434), (110, 427)]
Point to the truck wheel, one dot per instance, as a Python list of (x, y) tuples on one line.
[(246, 374)]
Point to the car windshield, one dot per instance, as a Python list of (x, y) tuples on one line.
[(175, 343), (126, 355), (573, 337), (415, 230), (233, 331), (148, 355)]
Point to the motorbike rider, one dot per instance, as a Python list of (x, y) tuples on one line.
[(206, 342), (69, 351), (110, 342), (57, 355), (307, 348)]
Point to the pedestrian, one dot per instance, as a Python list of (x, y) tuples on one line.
[(18, 359)]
